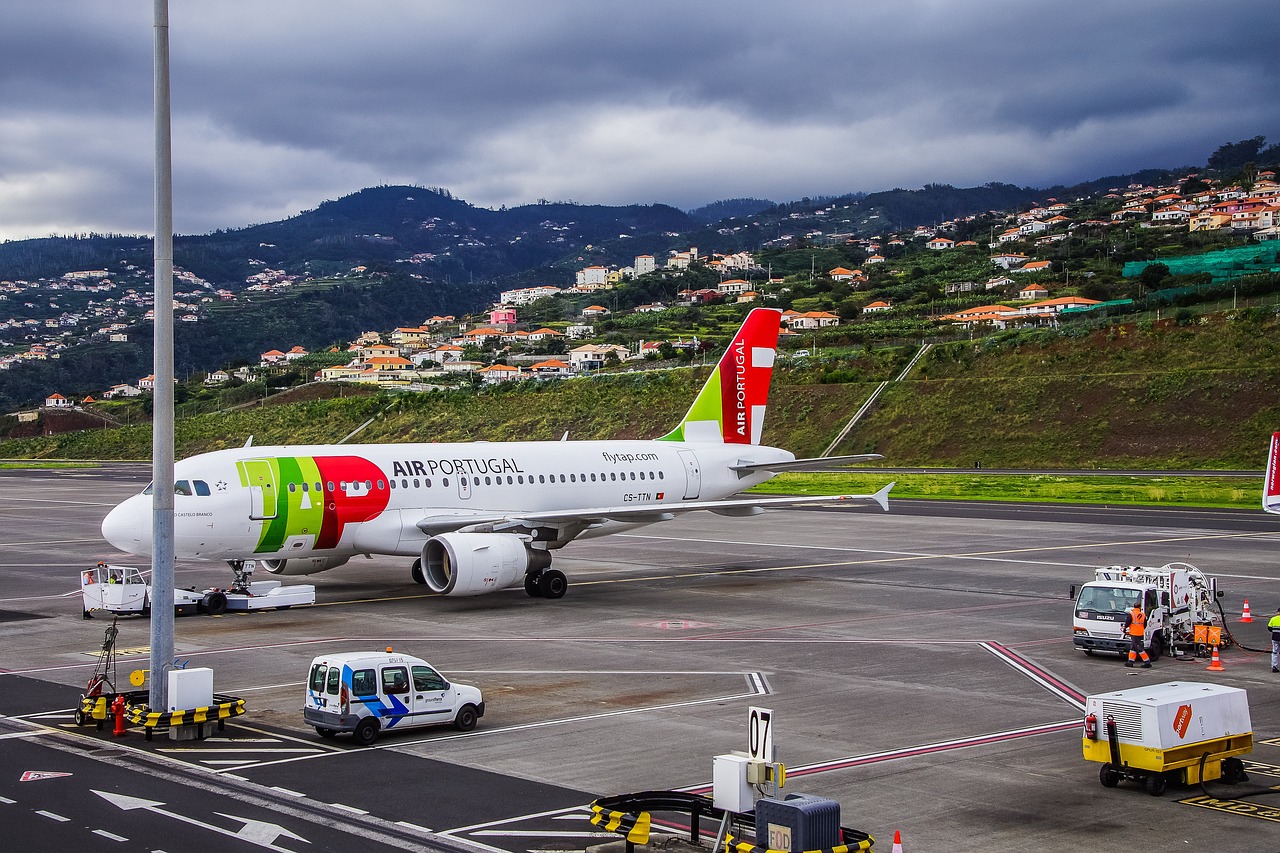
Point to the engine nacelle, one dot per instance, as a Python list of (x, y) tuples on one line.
[(302, 565), (476, 563)]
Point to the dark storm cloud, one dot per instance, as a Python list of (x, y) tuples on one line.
[(280, 105)]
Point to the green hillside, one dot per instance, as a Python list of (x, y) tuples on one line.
[(1205, 394)]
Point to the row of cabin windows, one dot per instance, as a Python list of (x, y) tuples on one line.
[(518, 479)]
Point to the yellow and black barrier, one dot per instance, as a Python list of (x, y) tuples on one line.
[(855, 841), (635, 827), (223, 707), (629, 815)]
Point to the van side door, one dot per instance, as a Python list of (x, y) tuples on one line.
[(432, 696)]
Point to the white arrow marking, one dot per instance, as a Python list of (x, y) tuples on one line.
[(253, 831), (260, 832)]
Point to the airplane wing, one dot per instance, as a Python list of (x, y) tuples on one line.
[(648, 513), (816, 464)]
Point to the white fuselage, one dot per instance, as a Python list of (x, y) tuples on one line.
[(342, 500)]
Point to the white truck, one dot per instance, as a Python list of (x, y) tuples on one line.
[(1177, 597), (124, 589)]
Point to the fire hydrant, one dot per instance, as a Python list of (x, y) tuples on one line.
[(117, 708)]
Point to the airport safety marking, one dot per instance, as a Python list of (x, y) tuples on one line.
[(1038, 674), (1238, 807)]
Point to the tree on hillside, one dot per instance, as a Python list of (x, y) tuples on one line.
[(1232, 156)]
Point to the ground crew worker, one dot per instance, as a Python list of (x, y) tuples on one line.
[(1136, 625), (1274, 626)]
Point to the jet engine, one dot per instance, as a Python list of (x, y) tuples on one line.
[(302, 565), (476, 563)]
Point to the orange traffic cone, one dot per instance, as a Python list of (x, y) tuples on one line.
[(897, 841), (1215, 665), (1246, 616)]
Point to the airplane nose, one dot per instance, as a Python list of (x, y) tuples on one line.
[(128, 526)]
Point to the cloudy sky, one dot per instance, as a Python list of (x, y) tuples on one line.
[(281, 104)]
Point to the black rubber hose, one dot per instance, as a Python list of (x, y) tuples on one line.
[(1226, 630)]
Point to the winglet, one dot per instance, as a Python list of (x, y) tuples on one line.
[(882, 497)]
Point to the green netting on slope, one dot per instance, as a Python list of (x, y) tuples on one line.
[(1223, 265)]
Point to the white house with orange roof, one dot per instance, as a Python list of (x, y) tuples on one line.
[(1034, 291), (495, 373), (1034, 266), (810, 319), (481, 336), (998, 316), (550, 368), (271, 356), (544, 334), (842, 274), (876, 307), (875, 259), (937, 244), (596, 311), (1049, 307), (295, 354), (56, 401), (1009, 260), (734, 286)]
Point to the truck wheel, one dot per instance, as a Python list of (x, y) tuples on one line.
[(1089, 652), (215, 603), (1233, 771), (366, 732), (325, 733), (1157, 649), (465, 721), (1108, 775), (552, 583), (1156, 783)]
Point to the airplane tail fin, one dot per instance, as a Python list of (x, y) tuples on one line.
[(1271, 485), (730, 407)]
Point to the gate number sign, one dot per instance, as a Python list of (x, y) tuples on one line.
[(760, 735)]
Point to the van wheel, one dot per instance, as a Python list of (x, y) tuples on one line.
[(325, 733), (366, 732), (215, 603), (465, 721)]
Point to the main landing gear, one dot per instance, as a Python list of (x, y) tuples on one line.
[(416, 572), (548, 583)]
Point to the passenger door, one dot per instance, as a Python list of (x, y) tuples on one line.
[(260, 476), (432, 696), (395, 686)]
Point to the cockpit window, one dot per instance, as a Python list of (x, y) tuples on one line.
[(202, 488), (182, 487)]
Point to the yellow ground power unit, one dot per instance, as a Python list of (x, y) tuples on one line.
[(1180, 731)]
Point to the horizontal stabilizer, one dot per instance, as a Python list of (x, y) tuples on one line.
[(819, 464)]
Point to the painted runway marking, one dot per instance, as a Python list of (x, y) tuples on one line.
[(53, 816), (110, 835), (1040, 676), (1240, 807)]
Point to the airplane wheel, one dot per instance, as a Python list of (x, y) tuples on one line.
[(215, 603), (531, 585), (552, 583), (416, 572)]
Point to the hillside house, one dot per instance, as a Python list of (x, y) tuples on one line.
[(938, 244), (1034, 291), (1033, 267), (495, 373), (56, 401), (876, 307)]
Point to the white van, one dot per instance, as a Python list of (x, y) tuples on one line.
[(366, 692)]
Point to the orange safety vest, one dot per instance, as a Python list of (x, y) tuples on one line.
[(1137, 622)]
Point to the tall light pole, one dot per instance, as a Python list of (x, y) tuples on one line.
[(162, 364)]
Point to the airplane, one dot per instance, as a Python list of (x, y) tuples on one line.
[(1271, 483), (481, 516)]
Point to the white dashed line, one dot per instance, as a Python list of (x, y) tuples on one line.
[(110, 835), (287, 791), (413, 826), (347, 808), (53, 816)]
